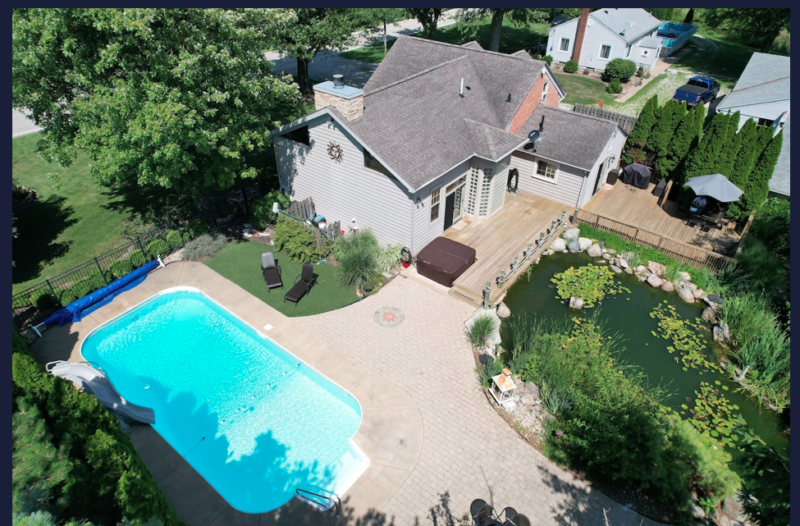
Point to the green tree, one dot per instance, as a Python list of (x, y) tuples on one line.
[(39, 468), (755, 25), (472, 18), (661, 13), (731, 148), (746, 156), (428, 17), (686, 137), (756, 190), (703, 159), (304, 32), (169, 97), (637, 140), (663, 132), (689, 16)]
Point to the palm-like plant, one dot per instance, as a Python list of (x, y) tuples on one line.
[(357, 254)]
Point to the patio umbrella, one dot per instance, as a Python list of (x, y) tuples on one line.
[(716, 186)]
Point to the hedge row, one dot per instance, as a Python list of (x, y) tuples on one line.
[(108, 472)]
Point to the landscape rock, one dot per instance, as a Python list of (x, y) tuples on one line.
[(686, 294), (607, 255), (684, 275), (600, 261), (641, 277), (527, 399), (667, 286), (724, 521), (503, 311), (733, 507), (697, 293), (709, 315), (655, 268), (623, 263), (574, 246), (611, 251), (628, 270), (715, 299), (572, 233), (654, 281), (564, 251), (616, 269), (532, 389), (510, 406), (626, 255), (595, 251), (575, 303), (697, 511), (584, 243), (640, 269), (549, 252), (558, 244)]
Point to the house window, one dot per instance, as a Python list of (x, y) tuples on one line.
[(373, 164), (546, 170), (485, 190), (544, 90), (435, 204), (564, 44), (765, 122), (605, 51), (645, 52), (473, 190), (300, 135)]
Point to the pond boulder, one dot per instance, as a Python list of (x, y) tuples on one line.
[(667, 286), (527, 400), (595, 251), (655, 268), (574, 246), (628, 270), (607, 255), (686, 295), (654, 281), (622, 262), (503, 311), (685, 275), (532, 389), (572, 233), (558, 245), (575, 303), (584, 243), (616, 269), (698, 293), (709, 315)]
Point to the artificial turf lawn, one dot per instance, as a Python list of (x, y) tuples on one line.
[(240, 262)]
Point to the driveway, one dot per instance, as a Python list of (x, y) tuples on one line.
[(469, 451), (21, 124)]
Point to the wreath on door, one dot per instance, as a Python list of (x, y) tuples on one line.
[(335, 151)]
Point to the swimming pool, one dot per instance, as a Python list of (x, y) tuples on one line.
[(255, 421)]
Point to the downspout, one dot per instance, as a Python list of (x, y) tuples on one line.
[(580, 194), (413, 223)]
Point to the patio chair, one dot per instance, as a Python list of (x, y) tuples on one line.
[(481, 512), (508, 514), (658, 191), (520, 520), (271, 271), (302, 284)]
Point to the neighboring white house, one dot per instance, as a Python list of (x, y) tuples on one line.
[(596, 37), (762, 93), (433, 138)]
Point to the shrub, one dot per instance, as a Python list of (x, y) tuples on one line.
[(646, 74), (98, 280), (174, 240), (120, 268), (41, 298), (570, 66), (619, 68), (204, 245), (196, 227), (82, 288), (614, 86), (298, 241), (157, 247), (548, 59), (482, 327), (487, 371), (261, 209), (771, 225), (357, 254), (389, 257), (66, 296)]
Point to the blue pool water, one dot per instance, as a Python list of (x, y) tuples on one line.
[(251, 418)]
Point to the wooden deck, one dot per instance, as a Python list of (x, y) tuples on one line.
[(639, 208), (499, 239)]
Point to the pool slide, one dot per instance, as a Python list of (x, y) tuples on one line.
[(96, 383)]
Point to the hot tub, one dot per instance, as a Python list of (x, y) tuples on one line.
[(444, 260)]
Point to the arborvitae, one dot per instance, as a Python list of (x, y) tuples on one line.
[(757, 189), (689, 16), (765, 134), (637, 140), (38, 467), (686, 137), (730, 147), (664, 131), (703, 159), (746, 158)]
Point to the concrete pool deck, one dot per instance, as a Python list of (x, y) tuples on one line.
[(391, 432)]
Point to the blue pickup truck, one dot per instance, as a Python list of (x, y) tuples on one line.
[(697, 91)]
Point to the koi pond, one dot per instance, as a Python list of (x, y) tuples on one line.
[(634, 318)]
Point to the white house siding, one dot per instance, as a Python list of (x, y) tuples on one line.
[(566, 30), (595, 36), (346, 190), (565, 190), (636, 54), (609, 159), (766, 110), (426, 230)]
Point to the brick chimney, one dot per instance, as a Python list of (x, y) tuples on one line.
[(576, 49), (347, 100)]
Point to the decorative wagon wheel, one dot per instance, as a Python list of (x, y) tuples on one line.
[(335, 151)]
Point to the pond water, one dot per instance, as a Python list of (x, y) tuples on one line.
[(628, 316)]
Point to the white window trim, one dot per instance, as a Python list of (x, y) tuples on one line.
[(569, 42), (554, 180), (544, 91), (600, 52)]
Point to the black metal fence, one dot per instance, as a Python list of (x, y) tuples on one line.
[(31, 306), (224, 208)]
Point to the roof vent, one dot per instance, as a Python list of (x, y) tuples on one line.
[(338, 81), (541, 125), (509, 98)]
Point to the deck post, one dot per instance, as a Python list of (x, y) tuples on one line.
[(487, 293)]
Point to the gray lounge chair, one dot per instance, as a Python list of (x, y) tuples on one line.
[(271, 271), (302, 284)]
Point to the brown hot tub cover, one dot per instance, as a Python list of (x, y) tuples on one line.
[(444, 260)]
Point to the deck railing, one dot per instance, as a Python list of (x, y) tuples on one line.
[(681, 252)]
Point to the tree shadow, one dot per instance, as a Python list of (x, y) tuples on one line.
[(39, 225), (150, 201)]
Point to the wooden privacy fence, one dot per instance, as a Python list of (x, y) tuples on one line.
[(681, 252), (625, 122), (303, 210)]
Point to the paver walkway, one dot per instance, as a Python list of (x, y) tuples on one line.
[(469, 451)]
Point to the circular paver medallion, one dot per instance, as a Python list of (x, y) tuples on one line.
[(389, 317)]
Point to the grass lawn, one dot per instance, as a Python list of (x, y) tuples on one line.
[(240, 262), (728, 59), (512, 38), (583, 90)]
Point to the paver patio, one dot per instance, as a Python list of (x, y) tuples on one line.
[(469, 451)]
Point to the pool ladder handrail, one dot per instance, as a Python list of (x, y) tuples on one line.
[(335, 508)]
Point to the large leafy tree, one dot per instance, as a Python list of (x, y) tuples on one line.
[(304, 32), (169, 97), (472, 18), (755, 25), (428, 17)]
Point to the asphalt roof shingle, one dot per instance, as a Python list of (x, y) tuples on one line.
[(615, 19), (764, 79)]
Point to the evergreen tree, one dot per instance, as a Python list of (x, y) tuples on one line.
[(689, 16), (38, 467), (664, 130), (637, 140), (703, 159), (730, 148), (746, 157), (686, 137), (757, 188)]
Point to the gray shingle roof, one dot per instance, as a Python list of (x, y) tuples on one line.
[(764, 79), (652, 42), (615, 20), (568, 137)]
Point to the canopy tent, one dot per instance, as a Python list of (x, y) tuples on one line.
[(716, 186)]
